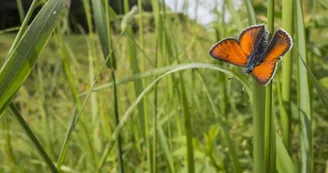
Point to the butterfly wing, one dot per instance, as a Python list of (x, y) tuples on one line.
[(250, 38), (278, 47), (229, 50)]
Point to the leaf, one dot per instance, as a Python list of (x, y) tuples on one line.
[(21, 60)]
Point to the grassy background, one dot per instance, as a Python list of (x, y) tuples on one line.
[(200, 105)]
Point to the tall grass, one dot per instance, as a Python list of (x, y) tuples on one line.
[(155, 94)]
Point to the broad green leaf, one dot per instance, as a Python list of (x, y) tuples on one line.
[(21, 60)]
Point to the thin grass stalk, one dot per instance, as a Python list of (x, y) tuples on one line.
[(270, 129), (304, 98), (151, 155), (24, 24), (188, 128), (258, 108), (33, 138), (44, 113), (220, 33), (119, 142), (138, 87), (285, 117), (20, 10)]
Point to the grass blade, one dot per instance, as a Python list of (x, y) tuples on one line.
[(21, 60), (258, 109), (304, 98), (33, 138), (270, 128), (287, 24)]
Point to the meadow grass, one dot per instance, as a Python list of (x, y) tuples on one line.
[(153, 100)]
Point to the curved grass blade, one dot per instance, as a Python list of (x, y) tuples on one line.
[(21, 60), (161, 70), (128, 114)]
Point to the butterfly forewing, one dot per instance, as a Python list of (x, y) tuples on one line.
[(278, 47), (250, 38), (230, 51)]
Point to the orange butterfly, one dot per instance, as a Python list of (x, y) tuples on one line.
[(254, 51)]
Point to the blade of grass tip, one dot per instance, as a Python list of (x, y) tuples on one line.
[(258, 109), (270, 129), (33, 138), (287, 24), (21, 59), (304, 99), (284, 162), (127, 114)]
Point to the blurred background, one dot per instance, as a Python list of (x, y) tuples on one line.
[(194, 119)]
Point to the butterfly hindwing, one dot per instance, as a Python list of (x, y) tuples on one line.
[(264, 72), (229, 50), (251, 37), (278, 47)]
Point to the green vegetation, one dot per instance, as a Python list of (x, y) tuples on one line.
[(153, 100)]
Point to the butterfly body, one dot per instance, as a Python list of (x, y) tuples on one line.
[(257, 56), (253, 51)]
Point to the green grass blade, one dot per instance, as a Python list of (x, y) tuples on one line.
[(100, 18), (21, 60), (287, 24), (270, 128), (321, 93), (304, 98), (258, 109), (284, 162), (33, 138)]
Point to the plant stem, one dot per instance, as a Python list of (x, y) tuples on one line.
[(33, 138), (119, 139), (287, 24), (270, 130)]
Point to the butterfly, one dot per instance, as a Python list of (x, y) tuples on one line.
[(253, 51)]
